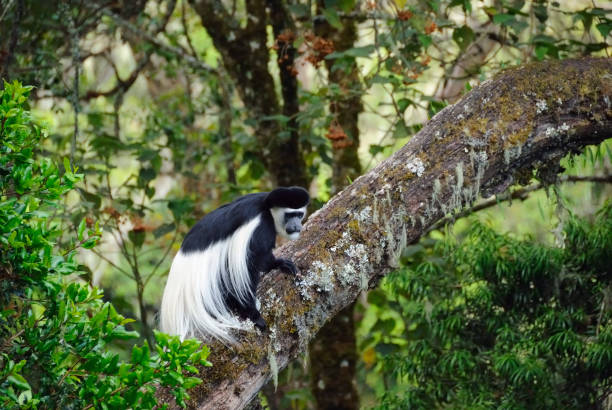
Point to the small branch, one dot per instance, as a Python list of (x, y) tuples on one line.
[(520, 194), (186, 30), (6, 9), (358, 16), (177, 51), (76, 62), (7, 343), (113, 264), (166, 252)]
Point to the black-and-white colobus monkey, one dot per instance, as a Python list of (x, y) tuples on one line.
[(215, 273)]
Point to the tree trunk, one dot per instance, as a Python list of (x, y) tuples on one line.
[(524, 119), (333, 354), (333, 357), (245, 54)]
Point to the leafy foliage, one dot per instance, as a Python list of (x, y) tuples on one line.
[(492, 321), (54, 333)]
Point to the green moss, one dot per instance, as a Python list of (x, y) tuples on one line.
[(353, 227), (294, 306)]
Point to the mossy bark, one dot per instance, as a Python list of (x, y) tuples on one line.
[(499, 130)]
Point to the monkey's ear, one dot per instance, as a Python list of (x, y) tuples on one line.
[(292, 197)]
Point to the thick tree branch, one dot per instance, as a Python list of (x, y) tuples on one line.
[(525, 118)]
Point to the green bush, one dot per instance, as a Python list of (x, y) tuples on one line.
[(495, 322), (55, 330)]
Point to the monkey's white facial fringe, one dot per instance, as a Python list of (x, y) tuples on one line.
[(278, 215), (193, 303)]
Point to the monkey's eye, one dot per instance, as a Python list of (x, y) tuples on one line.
[(290, 215)]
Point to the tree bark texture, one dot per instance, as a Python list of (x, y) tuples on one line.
[(524, 120)]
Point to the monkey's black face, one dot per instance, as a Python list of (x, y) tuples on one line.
[(293, 224), (288, 221)]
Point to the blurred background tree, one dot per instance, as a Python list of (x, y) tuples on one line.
[(171, 108)]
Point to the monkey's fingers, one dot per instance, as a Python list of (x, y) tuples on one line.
[(286, 266), (260, 323)]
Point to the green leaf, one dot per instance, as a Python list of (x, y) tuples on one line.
[(81, 229), (18, 381), (404, 103), (379, 79), (120, 332), (95, 199), (604, 28), (90, 242), (67, 166), (465, 4), (332, 18), (164, 229), (386, 349), (377, 297), (180, 207), (137, 237), (400, 131), (425, 40), (299, 10), (463, 36), (541, 51), (376, 149), (504, 19), (190, 382), (541, 12)]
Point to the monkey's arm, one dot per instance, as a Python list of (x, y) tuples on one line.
[(284, 265)]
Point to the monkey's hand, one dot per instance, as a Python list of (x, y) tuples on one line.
[(286, 266), (260, 323)]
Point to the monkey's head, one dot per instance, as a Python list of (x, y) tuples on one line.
[(288, 208)]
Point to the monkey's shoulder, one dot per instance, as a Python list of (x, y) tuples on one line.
[(221, 223)]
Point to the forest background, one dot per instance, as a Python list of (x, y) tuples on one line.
[(145, 115)]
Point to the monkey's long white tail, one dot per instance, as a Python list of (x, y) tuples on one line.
[(193, 304)]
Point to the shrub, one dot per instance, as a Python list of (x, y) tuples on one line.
[(55, 330), (491, 321)]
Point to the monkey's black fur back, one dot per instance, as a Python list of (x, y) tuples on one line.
[(223, 221)]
